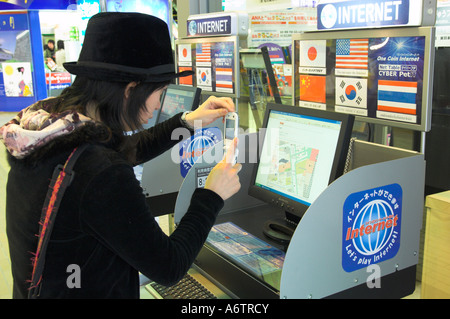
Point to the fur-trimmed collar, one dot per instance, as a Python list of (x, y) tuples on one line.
[(36, 126), (92, 133), (35, 133)]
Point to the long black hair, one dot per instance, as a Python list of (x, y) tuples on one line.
[(107, 100)]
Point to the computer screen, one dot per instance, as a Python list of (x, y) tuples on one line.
[(302, 152), (176, 99)]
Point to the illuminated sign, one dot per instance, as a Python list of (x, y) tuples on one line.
[(206, 25), (210, 26), (374, 13)]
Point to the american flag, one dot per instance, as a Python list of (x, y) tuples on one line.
[(352, 53), (203, 52)]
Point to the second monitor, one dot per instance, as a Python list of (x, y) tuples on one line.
[(176, 99)]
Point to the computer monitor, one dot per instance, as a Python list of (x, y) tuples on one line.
[(302, 152), (176, 99)]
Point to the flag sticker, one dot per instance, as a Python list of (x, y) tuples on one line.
[(204, 78), (224, 79), (352, 53), (397, 96), (351, 92), (203, 54), (313, 53), (185, 80), (184, 54), (313, 88)]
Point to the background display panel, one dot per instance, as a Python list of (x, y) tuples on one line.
[(214, 61), (382, 75)]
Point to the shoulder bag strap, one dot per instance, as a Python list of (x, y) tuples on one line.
[(61, 179)]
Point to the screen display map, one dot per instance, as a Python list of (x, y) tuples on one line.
[(293, 164)]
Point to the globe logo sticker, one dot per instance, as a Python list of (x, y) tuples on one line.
[(328, 16), (371, 226), (192, 149), (192, 27)]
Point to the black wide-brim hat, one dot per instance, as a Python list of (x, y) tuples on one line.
[(126, 47)]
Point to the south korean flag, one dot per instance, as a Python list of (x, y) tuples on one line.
[(204, 78), (351, 92)]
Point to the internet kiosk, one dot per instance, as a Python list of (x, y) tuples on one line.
[(321, 214), (357, 235), (369, 216)]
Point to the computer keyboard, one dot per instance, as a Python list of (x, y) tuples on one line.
[(186, 288)]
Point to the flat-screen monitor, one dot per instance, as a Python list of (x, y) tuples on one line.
[(382, 76), (176, 99), (301, 152)]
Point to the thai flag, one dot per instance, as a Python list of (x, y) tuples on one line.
[(397, 96), (224, 78), (352, 53)]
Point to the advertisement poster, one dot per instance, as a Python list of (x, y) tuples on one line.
[(17, 79), (213, 64), (18, 85), (223, 55), (58, 80), (372, 77), (278, 27), (157, 8), (399, 77)]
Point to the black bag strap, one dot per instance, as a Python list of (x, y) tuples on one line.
[(61, 179)]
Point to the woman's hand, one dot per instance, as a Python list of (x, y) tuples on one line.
[(223, 178), (212, 109)]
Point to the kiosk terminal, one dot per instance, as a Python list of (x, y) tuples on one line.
[(367, 211)]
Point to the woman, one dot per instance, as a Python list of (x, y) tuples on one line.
[(103, 225)]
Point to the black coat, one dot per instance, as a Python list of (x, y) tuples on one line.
[(103, 225)]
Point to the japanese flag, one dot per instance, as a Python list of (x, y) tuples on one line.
[(351, 92), (313, 53), (184, 53)]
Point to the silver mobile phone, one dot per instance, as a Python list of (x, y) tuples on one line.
[(231, 129)]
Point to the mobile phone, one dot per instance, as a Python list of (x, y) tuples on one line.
[(231, 129)]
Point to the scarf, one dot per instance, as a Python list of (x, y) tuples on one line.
[(34, 127)]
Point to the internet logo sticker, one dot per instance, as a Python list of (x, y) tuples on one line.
[(371, 226), (192, 28), (328, 16), (193, 148)]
